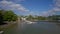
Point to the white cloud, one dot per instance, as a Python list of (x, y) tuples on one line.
[(45, 13), (56, 5), (9, 5), (56, 8), (16, 1), (48, 13)]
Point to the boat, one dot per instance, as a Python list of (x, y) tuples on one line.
[(1, 32)]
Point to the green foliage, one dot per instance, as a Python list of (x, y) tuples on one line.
[(1, 16), (30, 17), (41, 18), (54, 17), (9, 16), (50, 18)]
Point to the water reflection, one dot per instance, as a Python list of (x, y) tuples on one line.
[(36, 28)]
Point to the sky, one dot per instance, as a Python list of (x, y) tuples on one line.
[(32, 7)]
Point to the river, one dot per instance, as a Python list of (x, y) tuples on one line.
[(36, 28)]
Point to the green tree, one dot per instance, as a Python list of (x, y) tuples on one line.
[(30, 17), (54, 17), (9, 16), (1, 16), (41, 18)]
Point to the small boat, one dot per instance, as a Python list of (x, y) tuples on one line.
[(1, 32)]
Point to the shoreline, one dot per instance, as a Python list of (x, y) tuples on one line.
[(46, 20), (5, 26), (11, 23)]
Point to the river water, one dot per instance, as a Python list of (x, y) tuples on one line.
[(36, 28)]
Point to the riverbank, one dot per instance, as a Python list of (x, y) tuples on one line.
[(4, 26), (39, 27), (45, 20)]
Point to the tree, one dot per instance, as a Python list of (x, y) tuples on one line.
[(41, 18), (30, 17), (1, 16), (9, 16), (54, 17)]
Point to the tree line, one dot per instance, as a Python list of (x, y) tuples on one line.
[(7, 15), (49, 18)]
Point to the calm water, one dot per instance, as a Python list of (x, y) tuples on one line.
[(37, 28)]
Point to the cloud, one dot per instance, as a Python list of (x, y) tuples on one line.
[(45, 13), (9, 5), (16, 1), (56, 5), (54, 10), (48, 13)]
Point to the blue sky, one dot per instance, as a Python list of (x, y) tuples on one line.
[(37, 5), (33, 7)]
